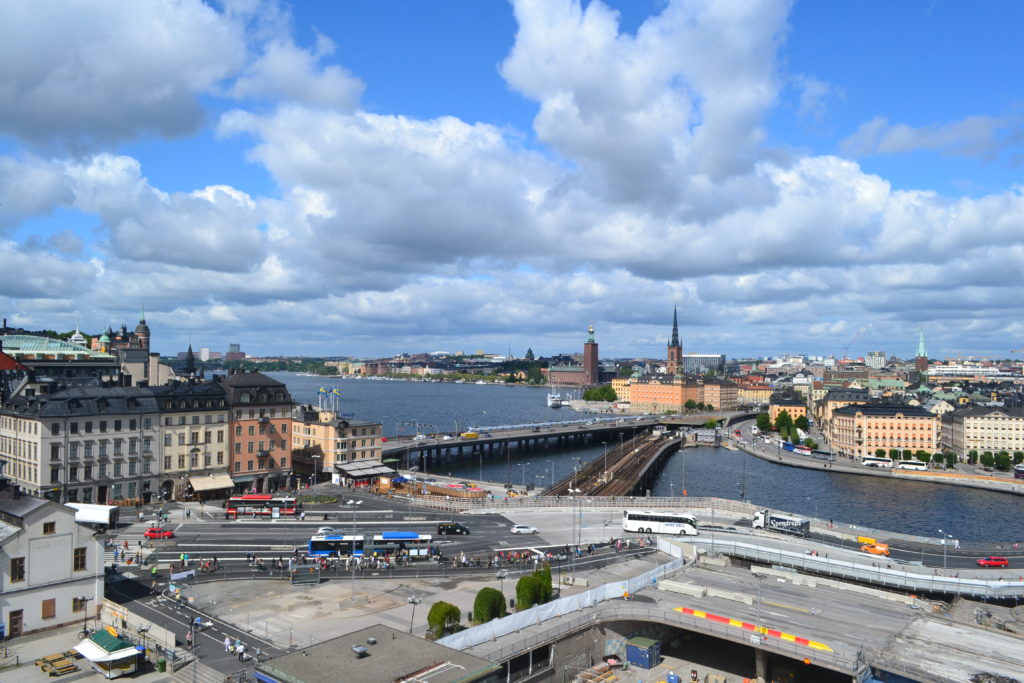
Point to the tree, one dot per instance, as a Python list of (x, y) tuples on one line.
[(987, 459), (1003, 460), (784, 421), (950, 460), (527, 591), (602, 393), (764, 423), (972, 457), (701, 405), (922, 456), (489, 604), (711, 424), (907, 454), (801, 422), (894, 454), (880, 452), (625, 370), (690, 404), (1018, 457), (708, 406), (442, 617), (811, 443)]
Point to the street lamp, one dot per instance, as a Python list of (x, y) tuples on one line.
[(501, 576), (413, 600), (574, 492), (944, 537), (551, 479), (313, 477), (354, 504)]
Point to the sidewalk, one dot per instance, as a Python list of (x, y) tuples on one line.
[(32, 647)]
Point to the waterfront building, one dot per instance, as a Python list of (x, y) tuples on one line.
[(48, 365), (860, 430), (260, 416), (194, 439), (834, 399), (83, 444), (983, 429), (322, 442), (719, 393), (661, 393), (790, 403), (586, 374), (52, 566)]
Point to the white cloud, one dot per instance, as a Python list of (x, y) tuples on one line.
[(30, 274), (979, 137), (814, 96), (285, 71), (29, 187), (84, 73)]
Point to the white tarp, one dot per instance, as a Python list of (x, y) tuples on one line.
[(95, 653)]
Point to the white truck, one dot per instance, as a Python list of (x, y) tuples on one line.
[(766, 519)]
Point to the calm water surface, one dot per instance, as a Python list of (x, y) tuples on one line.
[(971, 515)]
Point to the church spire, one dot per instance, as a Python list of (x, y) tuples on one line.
[(675, 327), (190, 362), (922, 350)]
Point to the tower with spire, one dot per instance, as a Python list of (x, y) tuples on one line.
[(188, 370), (675, 348), (591, 371), (921, 360)]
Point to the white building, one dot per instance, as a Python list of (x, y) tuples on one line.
[(52, 567)]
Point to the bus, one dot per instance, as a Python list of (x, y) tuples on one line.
[(911, 465), (876, 462), (330, 545), (96, 516), (1018, 471), (395, 543), (262, 505), (659, 522)]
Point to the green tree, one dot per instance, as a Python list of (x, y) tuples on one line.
[(489, 604), (923, 456), (625, 370), (907, 454), (701, 405), (708, 406), (442, 617), (711, 424), (690, 404), (972, 457), (1003, 460), (1018, 457), (527, 591), (602, 393), (880, 452), (547, 591), (801, 422), (764, 423), (811, 443), (894, 454), (784, 421), (987, 459), (950, 460)]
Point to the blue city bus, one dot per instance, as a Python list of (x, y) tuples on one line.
[(389, 542)]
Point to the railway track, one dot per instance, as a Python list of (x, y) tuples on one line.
[(626, 465)]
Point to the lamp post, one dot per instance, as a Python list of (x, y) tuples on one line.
[(551, 469), (85, 600), (944, 537), (312, 477), (501, 576), (574, 492), (605, 444), (413, 600), (354, 504)]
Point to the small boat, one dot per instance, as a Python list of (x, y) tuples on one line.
[(554, 401)]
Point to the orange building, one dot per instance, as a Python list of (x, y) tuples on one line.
[(667, 393), (326, 441), (260, 417), (860, 430), (791, 404)]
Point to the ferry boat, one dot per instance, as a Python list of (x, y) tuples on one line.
[(554, 401)]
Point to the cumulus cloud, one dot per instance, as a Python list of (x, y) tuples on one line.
[(285, 71), (29, 187), (978, 137), (81, 74), (29, 274)]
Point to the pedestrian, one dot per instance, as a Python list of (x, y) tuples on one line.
[(241, 652), (188, 513), (188, 639), (227, 644)]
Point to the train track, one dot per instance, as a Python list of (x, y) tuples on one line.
[(625, 466)]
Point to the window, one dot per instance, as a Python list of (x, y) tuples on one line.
[(49, 608), (117, 425), (49, 527), (147, 445), (88, 472), (250, 466), (88, 427), (73, 473), (55, 451), (78, 604), (168, 422), (238, 430), (103, 425), (117, 469), (181, 439), (252, 430), (146, 423), (131, 468), (194, 460), (54, 475), (220, 457), (79, 559), (17, 569), (133, 446), (195, 419), (220, 436), (238, 448), (103, 471), (74, 427), (181, 419), (251, 446), (118, 447), (207, 436), (55, 428), (261, 446), (145, 468), (103, 448), (238, 466), (133, 424), (206, 459), (181, 462), (209, 418)]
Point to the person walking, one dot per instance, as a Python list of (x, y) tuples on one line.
[(188, 639), (241, 652), (227, 644)]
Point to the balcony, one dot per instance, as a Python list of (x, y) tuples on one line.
[(264, 420), (262, 454)]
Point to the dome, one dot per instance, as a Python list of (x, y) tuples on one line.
[(142, 328), (104, 339)]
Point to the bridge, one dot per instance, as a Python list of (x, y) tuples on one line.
[(501, 441)]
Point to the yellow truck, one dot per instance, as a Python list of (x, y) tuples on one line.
[(469, 435)]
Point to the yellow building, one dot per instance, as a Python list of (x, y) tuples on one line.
[(860, 430), (791, 404), (669, 393), (748, 394), (320, 436), (194, 436)]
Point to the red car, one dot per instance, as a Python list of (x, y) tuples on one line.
[(993, 562), (157, 532)]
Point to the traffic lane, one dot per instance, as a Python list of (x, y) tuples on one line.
[(179, 618)]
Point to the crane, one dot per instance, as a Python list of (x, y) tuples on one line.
[(855, 338)]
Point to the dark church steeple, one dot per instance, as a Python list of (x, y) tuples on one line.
[(675, 348), (189, 369)]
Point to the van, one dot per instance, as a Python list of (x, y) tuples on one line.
[(452, 529), (876, 548)]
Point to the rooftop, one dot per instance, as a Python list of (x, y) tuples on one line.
[(390, 655), (27, 346)]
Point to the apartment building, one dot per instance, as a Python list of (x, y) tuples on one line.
[(324, 441), (260, 417), (983, 429), (194, 439), (793, 405), (860, 430)]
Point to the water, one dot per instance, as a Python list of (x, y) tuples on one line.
[(971, 515)]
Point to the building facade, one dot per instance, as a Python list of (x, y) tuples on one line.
[(983, 429), (701, 363), (586, 374), (193, 435), (325, 442), (785, 402), (260, 417), (861, 430), (52, 567)]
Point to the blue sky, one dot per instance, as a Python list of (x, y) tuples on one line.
[(367, 178)]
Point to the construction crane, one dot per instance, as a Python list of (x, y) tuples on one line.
[(855, 338)]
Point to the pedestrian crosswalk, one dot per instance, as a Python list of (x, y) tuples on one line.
[(129, 549)]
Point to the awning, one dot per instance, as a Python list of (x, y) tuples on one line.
[(211, 482), (360, 469), (94, 653)]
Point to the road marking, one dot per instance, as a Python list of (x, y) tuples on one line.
[(746, 625), (779, 604)]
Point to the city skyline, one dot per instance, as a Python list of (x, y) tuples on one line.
[(371, 179)]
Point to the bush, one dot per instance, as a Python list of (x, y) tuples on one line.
[(534, 589), (1003, 460), (443, 616), (603, 393), (922, 456), (489, 604), (987, 459), (880, 452), (950, 460)]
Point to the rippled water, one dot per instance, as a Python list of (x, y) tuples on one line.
[(906, 506)]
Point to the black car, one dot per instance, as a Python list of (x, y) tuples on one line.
[(449, 528)]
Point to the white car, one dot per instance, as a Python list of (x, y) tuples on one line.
[(328, 531), (524, 529)]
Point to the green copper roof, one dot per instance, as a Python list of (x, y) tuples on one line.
[(922, 350), (21, 345)]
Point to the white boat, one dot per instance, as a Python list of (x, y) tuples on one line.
[(554, 401), (567, 403)]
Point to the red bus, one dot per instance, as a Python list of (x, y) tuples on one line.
[(262, 505)]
